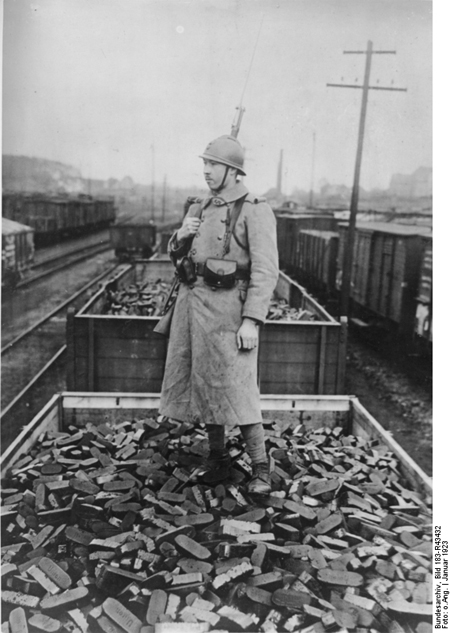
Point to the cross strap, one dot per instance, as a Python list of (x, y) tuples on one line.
[(231, 223)]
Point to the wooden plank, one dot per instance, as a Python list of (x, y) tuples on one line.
[(276, 333), (299, 373), (285, 388), (80, 375), (342, 355), (149, 349), (300, 331), (365, 425), (296, 354), (80, 417), (128, 368), (268, 387), (322, 353), (91, 356), (126, 400), (118, 326), (47, 419), (71, 357), (117, 384)]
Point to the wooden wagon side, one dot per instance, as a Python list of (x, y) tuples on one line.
[(122, 353)]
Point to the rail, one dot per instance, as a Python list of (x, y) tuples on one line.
[(41, 380), (55, 311), (80, 254)]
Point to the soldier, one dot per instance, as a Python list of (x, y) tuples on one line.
[(226, 256)]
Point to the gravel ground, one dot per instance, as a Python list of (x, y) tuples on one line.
[(26, 307), (401, 404)]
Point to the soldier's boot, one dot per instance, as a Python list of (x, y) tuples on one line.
[(260, 484), (218, 467)]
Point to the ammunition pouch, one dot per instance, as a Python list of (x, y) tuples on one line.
[(186, 270), (220, 273)]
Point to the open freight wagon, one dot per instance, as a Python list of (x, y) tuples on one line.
[(122, 353), (134, 239), (314, 412), (320, 551)]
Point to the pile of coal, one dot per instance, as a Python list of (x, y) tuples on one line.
[(109, 529), (280, 310), (148, 299), (145, 299)]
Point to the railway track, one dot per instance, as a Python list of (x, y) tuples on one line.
[(33, 362), (50, 265)]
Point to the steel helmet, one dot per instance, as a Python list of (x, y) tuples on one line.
[(226, 150)]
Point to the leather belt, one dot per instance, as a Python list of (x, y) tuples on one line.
[(241, 273)]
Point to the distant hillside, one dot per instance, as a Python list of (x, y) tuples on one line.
[(21, 173)]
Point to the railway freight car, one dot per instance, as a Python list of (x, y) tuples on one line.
[(385, 272), (316, 260), (120, 531), (55, 217), (133, 239), (288, 227), (119, 352), (424, 299), (165, 232), (17, 251)]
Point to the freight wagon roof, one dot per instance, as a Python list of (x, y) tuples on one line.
[(395, 229), (144, 220), (297, 215), (10, 226), (327, 235)]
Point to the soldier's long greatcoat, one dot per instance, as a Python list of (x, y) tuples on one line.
[(207, 377)]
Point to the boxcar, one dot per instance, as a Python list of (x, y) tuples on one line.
[(17, 251), (55, 216), (288, 227), (385, 273), (164, 234), (122, 353), (316, 259), (134, 239), (424, 299)]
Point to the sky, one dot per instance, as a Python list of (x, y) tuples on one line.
[(98, 83)]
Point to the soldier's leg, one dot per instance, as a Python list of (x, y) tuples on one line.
[(219, 462), (254, 439)]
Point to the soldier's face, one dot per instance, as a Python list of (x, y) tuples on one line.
[(214, 173)]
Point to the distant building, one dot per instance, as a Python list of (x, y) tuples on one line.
[(127, 183), (419, 184)]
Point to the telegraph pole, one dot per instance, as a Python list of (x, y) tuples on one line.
[(311, 191), (280, 173), (164, 199), (348, 250), (153, 183)]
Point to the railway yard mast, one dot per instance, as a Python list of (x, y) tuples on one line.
[(164, 195), (348, 251), (311, 191), (153, 183)]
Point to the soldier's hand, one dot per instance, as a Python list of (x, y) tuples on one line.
[(189, 228), (247, 335)]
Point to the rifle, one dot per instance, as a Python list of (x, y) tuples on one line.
[(235, 126)]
